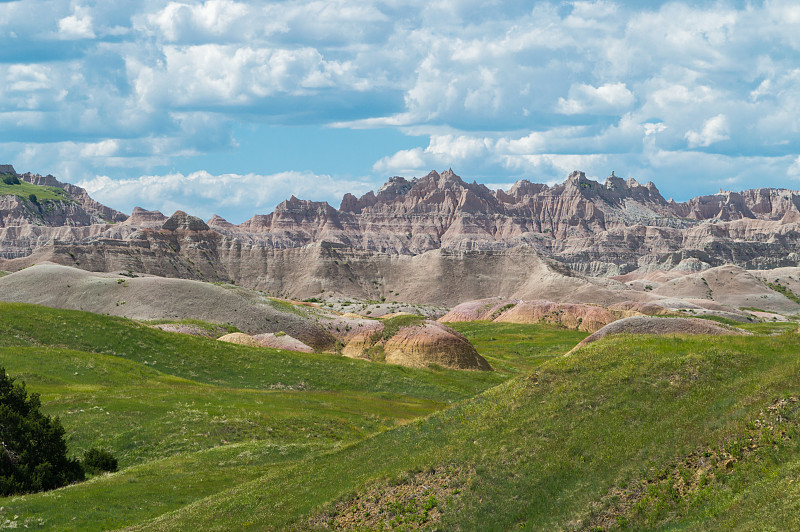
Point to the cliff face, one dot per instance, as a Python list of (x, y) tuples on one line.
[(435, 239)]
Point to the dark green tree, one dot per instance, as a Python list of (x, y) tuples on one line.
[(33, 199), (33, 453)]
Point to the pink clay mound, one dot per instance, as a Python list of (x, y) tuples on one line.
[(432, 343), (588, 318), (241, 339), (661, 326), (282, 341)]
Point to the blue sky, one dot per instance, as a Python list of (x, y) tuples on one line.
[(229, 107)]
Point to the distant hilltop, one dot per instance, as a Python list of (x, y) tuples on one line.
[(7, 169)]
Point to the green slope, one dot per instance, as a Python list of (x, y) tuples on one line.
[(190, 417), (25, 189), (223, 364), (548, 449), (216, 436)]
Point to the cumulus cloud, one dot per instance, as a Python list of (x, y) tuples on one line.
[(235, 197), (494, 89), (715, 129), (76, 26), (607, 98)]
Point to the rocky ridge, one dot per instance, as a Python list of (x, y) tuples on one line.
[(418, 239)]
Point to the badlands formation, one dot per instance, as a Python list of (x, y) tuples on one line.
[(581, 254), (440, 240)]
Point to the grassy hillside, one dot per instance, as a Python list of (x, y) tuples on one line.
[(189, 417), (222, 364), (25, 189), (634, 432), (619, 421)]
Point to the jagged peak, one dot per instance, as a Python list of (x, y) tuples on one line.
[(180, 221), (295, 204), (614, 182), (219, 221)]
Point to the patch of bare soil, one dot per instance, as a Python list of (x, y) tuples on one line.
[(681, 479), (413, 504)]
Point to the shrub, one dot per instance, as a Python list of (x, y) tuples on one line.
[(10, 179), (99, 460), (33, 453), (34, 199)]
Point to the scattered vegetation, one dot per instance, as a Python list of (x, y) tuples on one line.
[(215, 328), (783, 290), (9, 179)]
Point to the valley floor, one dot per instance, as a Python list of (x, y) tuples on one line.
[(694, 433)]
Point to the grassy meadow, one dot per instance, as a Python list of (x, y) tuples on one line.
[(658, 433), (25, 189)]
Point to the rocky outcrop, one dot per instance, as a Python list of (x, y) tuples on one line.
[(180, 221), (433, 239)]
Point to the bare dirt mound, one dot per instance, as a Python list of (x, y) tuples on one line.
[(241, 339), (661, 326), (732, 286), (432, 343), (642, 307), (159, 298), (282, 341), (588, 318), (346, 329)]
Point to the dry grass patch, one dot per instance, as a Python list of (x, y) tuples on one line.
[(415, 502)]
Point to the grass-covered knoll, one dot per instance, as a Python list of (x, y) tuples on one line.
[(513, 347), (223, 364), (548, 449), (25, 189)]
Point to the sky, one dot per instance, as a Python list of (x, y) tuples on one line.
[(230, 107)]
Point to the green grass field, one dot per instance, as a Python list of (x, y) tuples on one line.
[(629, 432), (25, 189)]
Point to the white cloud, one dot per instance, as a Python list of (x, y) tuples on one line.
[(715, 129), (227, 75), (179, 21), (105, 148), (498, 87), (607, 98), (76, 26), (201, 193)]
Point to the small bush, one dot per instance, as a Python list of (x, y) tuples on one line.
[(34, 199), (10, 179), (99, 460)]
